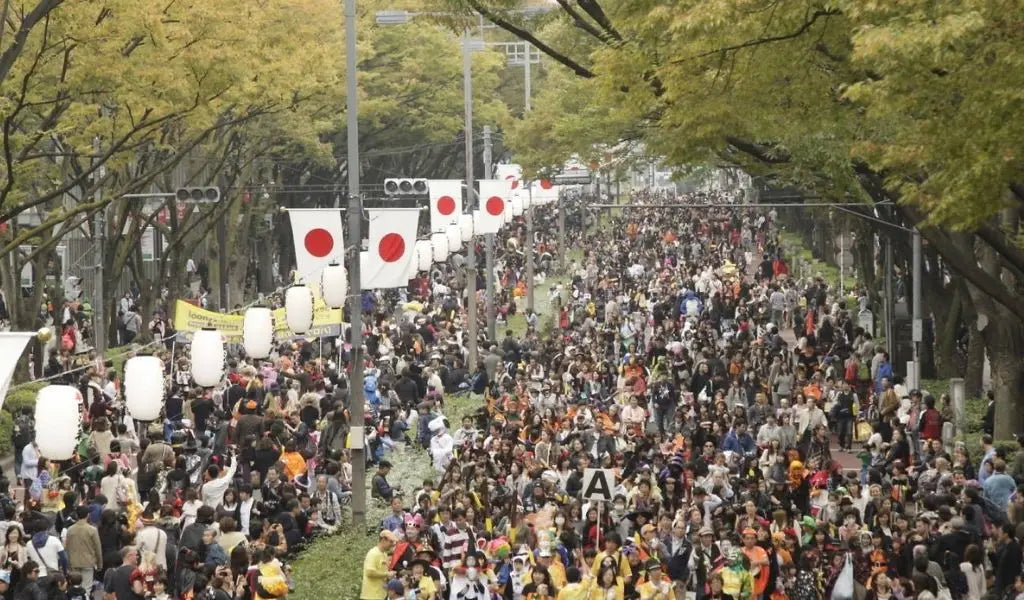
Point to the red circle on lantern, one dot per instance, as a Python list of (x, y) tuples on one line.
[(319, 242), (546, 184), (391, 247), (446, 205), (495, 205)]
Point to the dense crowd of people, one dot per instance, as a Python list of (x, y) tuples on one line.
[(670, 363), (679, 354)]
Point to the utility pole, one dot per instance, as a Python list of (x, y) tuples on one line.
[(528, 247), (889, 303), (917, 324), (526, 79), (355, 237), (490, 244), (467, 97), (99, 312), (222, 254), (561, 231)]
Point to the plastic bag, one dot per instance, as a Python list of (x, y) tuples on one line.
[(843, 589)]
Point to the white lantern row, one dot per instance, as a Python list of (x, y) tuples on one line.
[(298, 306), (334, 285), (424, 255), (207, 356), (58, 418), (258, 332), (439, 243), (144, 387)]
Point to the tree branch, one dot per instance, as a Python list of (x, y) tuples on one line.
[(766, 40), (525, 35)]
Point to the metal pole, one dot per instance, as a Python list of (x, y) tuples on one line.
[(222, 260), (526, 78), (842, 263), (99, 312), (528, 247), (561, 231), (355, 237), (888, 298), (917, 325), (490, 245), (467, 92)]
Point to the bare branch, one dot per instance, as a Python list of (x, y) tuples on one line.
[(766, 40)]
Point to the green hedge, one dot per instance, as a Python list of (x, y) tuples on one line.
[(23, 397)]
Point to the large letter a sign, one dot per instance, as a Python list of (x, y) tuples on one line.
[(598, 484)]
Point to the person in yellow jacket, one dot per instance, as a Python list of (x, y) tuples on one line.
[(657, 586), (376, 567), (554, 567), (612, 554)]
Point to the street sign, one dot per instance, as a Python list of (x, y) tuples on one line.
[(573, 176), (598, 484), (844, 259), (845, 241), (866, 320)]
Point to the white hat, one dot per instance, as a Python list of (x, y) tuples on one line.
[(436, 425)]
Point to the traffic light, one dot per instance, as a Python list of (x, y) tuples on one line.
[(198, 194), (405, 187)]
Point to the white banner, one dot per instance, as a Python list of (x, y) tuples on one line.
[(445, 203), (495, 195), (392, 246), (11, 347)]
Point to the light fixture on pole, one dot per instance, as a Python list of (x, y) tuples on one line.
[(298, 307), (207, 357), (466, 227), (334, 285), (454, 233), (439, 244), (144, 387), (424, 255), (258, 332), (57, 421)]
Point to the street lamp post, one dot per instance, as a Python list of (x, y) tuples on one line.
[(356, 293)]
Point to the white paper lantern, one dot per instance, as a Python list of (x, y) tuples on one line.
[(466, 225), (334, 285), (207, 355), (144, 387), (517, 206), (454, 234), (439, 243), (298, 307), (424, 255), (258, 332), (57, 421)]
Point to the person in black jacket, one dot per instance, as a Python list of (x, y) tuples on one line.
[(1006, 559)]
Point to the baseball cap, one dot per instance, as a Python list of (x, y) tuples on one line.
[(387, 534), (396, 586)]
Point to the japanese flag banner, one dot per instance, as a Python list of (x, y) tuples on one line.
[(513, 174), (495, 195), (391, 248), (445, 203), (319, 240), (544, 191)]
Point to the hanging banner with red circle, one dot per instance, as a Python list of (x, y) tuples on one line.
[(390, 249), (445, 203), (318, 238), (495, 195), (511, 173)]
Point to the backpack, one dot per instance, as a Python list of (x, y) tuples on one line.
[(864, 372)]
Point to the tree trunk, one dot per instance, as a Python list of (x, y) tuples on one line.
[(947, 322), (1004, 341)]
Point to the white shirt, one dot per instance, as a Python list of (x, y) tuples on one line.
[(48, 556), (213, 490), (441, 447)]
